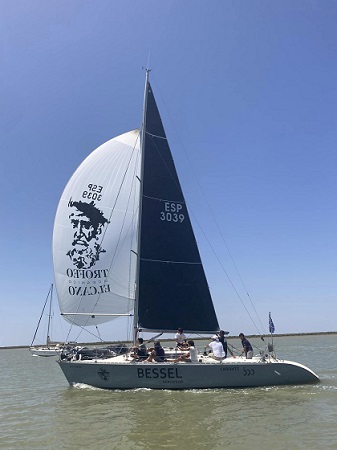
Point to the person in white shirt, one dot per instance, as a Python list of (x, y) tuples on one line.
[(190, 356), (180, 338), (217, 349)]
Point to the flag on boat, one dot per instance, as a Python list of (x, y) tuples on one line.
[(271, 325)]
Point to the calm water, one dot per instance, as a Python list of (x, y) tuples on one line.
[(38, 409)]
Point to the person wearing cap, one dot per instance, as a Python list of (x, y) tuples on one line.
[(217, 348), (223, 340), (247, 348), (180, 338)]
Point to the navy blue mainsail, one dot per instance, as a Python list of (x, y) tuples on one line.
[(173, 290)]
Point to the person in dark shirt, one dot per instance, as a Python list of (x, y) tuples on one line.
[(223, 340), (247, 348), (140, 351), (157, 353)]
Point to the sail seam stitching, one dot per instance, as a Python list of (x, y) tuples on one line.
[(173, 262), (155, 135), (163, 199)]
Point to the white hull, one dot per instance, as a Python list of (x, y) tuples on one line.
[(121, 373), (45, 351)]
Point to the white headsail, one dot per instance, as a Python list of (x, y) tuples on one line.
[(94, 237)]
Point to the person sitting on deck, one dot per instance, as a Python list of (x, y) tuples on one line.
[(140, 351), (157, 353), (217, 349), (180, 338), (190, 356)]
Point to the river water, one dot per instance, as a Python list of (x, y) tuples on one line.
[(39, 410)]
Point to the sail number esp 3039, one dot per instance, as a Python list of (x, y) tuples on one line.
[(93, 192), (172, 212)]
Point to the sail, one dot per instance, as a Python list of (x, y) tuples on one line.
[(94, 234), (173, 290)]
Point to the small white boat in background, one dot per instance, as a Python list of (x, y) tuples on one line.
[(48, 349)]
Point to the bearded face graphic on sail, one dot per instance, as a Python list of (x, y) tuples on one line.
[(88, 223)]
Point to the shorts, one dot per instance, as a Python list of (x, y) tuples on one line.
[(249, 354)]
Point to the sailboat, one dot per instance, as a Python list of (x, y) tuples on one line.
[(49, 349), (123, 245)]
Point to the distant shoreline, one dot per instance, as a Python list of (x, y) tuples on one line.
[(319, 333)]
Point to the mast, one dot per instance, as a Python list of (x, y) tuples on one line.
[(142, 151), (44, 306), (49, 316)]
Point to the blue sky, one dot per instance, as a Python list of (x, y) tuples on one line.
[(247, 93)]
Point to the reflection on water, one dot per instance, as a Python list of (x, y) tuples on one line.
[(39, 410)]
